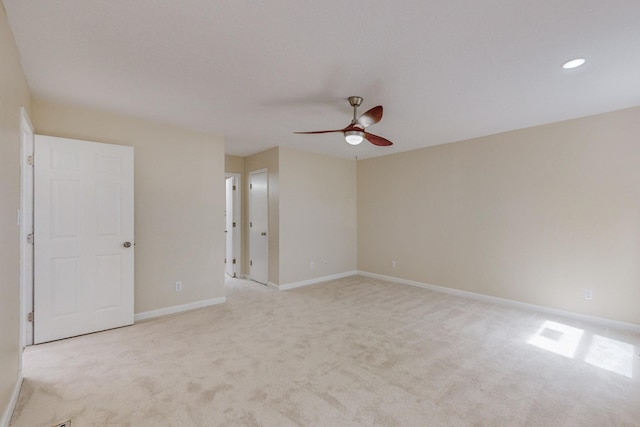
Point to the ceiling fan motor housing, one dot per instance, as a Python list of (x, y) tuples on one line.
[(355, 101)]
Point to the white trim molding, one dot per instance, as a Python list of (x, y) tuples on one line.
[(178, 308), (294, 285), (8, 412), (507, 302)]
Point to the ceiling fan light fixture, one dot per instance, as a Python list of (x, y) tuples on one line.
[(574, 63), (354, 137)]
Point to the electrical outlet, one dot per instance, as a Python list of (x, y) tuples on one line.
[(588, 295), (312, 265), (393, 264), (178, 286)]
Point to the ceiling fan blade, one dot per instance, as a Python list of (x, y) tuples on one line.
[(320, 131), (371, 117), (377, 140)]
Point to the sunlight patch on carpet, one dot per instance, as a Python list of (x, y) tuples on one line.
[(602, 352), (557, 338), (612, 355)]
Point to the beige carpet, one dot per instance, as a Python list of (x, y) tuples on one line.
[(353, 352)]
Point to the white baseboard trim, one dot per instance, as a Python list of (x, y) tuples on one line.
[(178, 308), (8, 412), (614, 324), (294, 285), (273, 286)]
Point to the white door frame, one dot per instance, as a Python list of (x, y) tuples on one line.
[(26, 227), (264, 170), (237, 233)]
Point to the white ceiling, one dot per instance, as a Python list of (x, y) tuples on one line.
[(257, 70)]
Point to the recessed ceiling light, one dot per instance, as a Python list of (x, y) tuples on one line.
[(574, 63)]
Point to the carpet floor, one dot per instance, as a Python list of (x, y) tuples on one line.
[(351, 352)]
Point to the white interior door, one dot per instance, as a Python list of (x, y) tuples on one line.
[(258, 226), (83, 223), (229, 226)]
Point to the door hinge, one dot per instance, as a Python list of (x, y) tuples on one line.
[(234, 188), (250, 186), (30, 160), (251, 262), (30, 317), (234, 224), (250, 224), (225, 260), (30, 238), (234, 260)]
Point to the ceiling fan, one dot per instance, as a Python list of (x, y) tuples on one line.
[(355, 133)]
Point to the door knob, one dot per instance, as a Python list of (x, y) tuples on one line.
[(127, 244)]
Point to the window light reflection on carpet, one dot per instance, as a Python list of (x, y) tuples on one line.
[(602, 352), (557, 338), (612, 355)]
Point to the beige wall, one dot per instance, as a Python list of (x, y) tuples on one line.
[(536, 215), (14, 93), (179, 200), (234, 164), (317, 215), (269, 160)]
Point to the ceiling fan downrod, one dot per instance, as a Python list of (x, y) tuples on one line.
[(355, 102)]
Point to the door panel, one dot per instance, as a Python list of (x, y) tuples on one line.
[(109, 271), (109, 215), (83, 275), (65, 203), (259, 226), (65, 285)]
